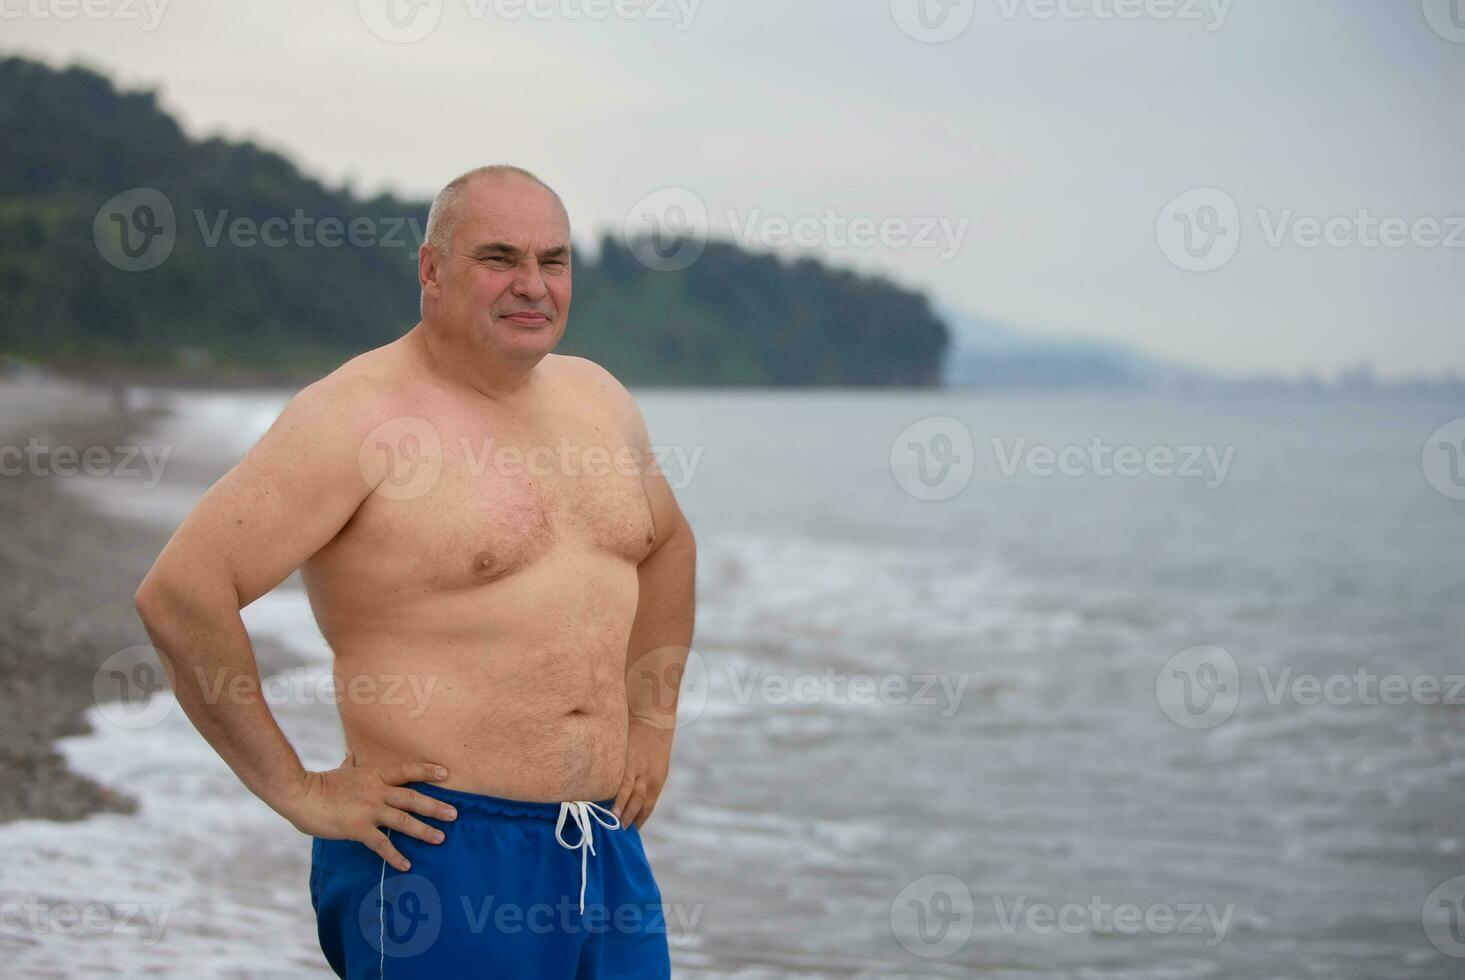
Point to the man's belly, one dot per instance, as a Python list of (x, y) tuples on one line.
[(517, 687)]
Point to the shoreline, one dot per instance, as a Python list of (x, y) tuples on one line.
[(69, 572), (66, 606)]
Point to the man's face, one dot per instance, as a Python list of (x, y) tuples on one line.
[(506, 277)]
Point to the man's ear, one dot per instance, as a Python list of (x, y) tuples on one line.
[(427, 266)]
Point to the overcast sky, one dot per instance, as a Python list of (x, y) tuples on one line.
[(1015, 165)]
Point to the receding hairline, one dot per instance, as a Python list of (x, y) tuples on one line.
[(447, 207)]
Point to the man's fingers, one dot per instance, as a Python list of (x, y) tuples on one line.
[(409, 825), (379, 843), (622, 795), (412, 772), (420, 803), (633, 807)]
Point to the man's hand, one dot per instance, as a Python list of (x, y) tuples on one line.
[(648, 756), (354, 802)]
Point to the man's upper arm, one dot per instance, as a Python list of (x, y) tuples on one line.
[(666, 513), (285, 500)]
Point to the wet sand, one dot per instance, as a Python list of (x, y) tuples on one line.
[(67, 578)]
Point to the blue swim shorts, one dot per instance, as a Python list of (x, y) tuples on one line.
[(517, 889)]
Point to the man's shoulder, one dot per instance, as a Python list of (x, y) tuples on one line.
[(590, 377), (359, 394), (589, 380)]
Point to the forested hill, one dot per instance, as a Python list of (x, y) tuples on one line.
[(313, 274)]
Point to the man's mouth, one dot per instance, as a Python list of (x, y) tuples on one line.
[(527, 318)]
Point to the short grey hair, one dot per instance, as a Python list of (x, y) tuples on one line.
[(447, 207)]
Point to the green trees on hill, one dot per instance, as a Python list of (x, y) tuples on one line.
[(274, 273)]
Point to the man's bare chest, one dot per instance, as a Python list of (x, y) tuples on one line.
[(468, 503)]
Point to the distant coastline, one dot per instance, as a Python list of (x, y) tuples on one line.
[(121, 264), (988, 354)]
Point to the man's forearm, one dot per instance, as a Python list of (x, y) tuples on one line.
[(662, 632), (210, 662)]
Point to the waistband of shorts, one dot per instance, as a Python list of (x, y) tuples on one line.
[(478, 803)]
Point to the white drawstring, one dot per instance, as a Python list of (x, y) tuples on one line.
[(582, 813)]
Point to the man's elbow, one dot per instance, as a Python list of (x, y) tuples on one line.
[(167, 598), (148, 598), (154, 599)]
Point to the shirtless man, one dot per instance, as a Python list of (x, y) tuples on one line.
[(478, 522)]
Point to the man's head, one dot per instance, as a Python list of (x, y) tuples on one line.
[(495, 268)]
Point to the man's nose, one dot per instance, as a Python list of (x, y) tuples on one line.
[(529, 283)]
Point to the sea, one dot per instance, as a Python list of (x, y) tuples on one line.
[(999, 685)]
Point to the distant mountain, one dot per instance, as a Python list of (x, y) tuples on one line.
[(974, 333), (989, 354), (291, 299)]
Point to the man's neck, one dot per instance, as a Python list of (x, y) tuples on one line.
[(446, 357)]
